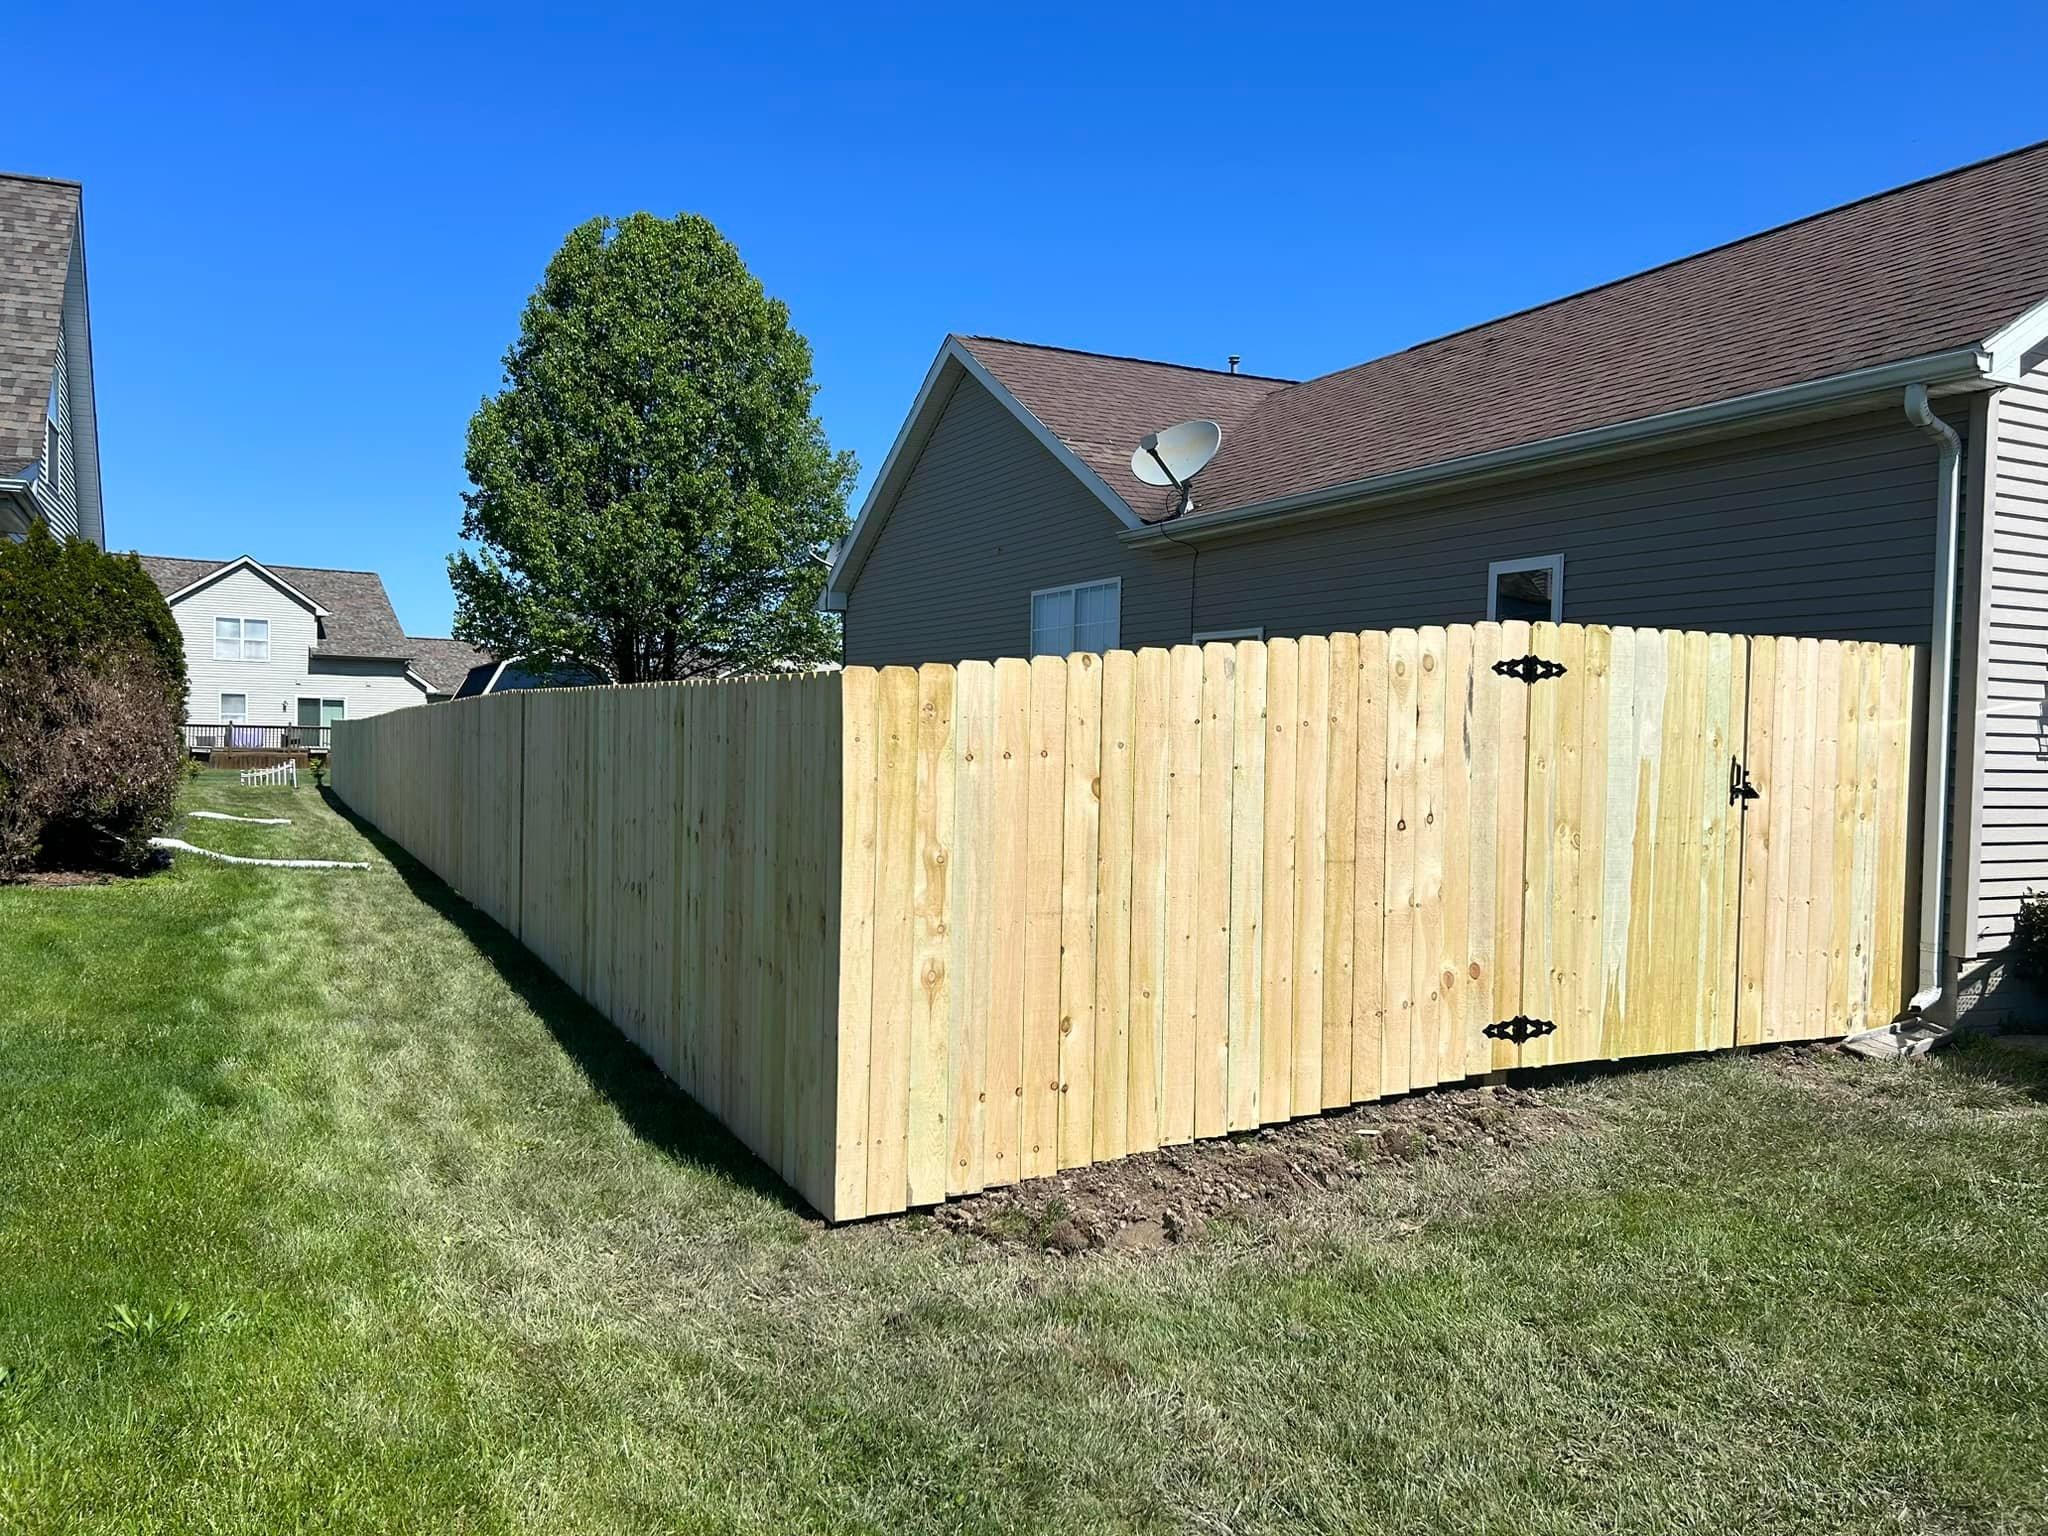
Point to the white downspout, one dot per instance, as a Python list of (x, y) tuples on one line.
[(1940, 693)]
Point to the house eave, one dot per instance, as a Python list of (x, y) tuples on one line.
[(1951, 372)]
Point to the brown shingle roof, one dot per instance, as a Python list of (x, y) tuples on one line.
[(445, 663), (359, 621), (1100, 406), (38, 220), (1925, 268)]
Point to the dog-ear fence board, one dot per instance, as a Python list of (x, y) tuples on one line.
[(912, 933)]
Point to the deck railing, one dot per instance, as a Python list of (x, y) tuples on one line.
[(222, 736)]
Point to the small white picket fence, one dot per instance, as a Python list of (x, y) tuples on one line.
[(284, 776)]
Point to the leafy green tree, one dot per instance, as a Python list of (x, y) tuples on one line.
[(652, 490)]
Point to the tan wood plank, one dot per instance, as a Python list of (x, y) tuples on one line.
[(1479, 850), (895, 946), (1453, 985), (1824, 932), (1589, 947), (1617, 842), (1860, 993), (1045, 854), (1276, 957), (1510, 881), (1759, 763), (1215, 997), (1311, 853), (1247, 884), (1892, 945), (1398, 952), (1186, 919), (1078, 877), (1730, 716), (1369, 1025), (1116, 797), (1150, 851), (1648, 687), (1541, 995), (1779, 793), (971, 923), (1800, 936), (1009, 834), (1429, 1023), (1340, 855)]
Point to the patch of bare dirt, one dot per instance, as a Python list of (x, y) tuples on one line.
[(1154, 1200), (54, 879)]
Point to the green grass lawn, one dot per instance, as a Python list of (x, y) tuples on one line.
[(323, 1208)]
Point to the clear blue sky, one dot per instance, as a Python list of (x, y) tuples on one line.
[(309, 244)]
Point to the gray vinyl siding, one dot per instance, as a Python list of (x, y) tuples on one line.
[(987, 517), (1824, 530), (2012, 856)]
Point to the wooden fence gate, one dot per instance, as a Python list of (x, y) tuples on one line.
[(912, 933)]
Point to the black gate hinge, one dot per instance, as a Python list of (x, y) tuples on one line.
[(1530, 669), (1740, 790), (1519, 1029)]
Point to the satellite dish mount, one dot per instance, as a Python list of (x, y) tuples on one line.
[(1175, 456)]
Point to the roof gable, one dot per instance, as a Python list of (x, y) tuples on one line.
[(1087, 394), (356, 617), (38, 224)]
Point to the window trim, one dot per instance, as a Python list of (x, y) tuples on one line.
[(1227, 636), (241, 641), (320, 703), (1031, 603), (1499, 568), (236, 719)]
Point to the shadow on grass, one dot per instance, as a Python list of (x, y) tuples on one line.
[(657, 1111)]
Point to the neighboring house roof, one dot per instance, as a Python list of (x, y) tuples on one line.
[(1942, 280), (356, 617), (38, 222), (446, 663)]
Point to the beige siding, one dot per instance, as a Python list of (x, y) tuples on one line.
[(1823, 530), (274, 687), (2012, 853)]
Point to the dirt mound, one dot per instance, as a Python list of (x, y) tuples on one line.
[(1156, 1199)]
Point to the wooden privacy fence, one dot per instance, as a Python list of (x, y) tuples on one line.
[(913, 933)]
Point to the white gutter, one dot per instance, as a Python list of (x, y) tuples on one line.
[(1958, 369), (1940, 693)]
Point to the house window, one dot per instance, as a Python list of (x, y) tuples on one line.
[(1530, 588), (321, 712), (241, 639), (234, 708), (1255, 632), (1085, 617)]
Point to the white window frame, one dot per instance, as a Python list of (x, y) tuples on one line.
[(1219, 636), (1551, 563), (1031, 605), (242, 640), (239, 718)]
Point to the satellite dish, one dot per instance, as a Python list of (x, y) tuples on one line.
[(1177, 455)]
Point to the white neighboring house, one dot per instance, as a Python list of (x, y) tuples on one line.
[(275, 654), (49, 430)]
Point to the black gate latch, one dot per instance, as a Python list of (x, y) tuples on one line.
[(1739, 787), (1530, 669), (1519, 1029)]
